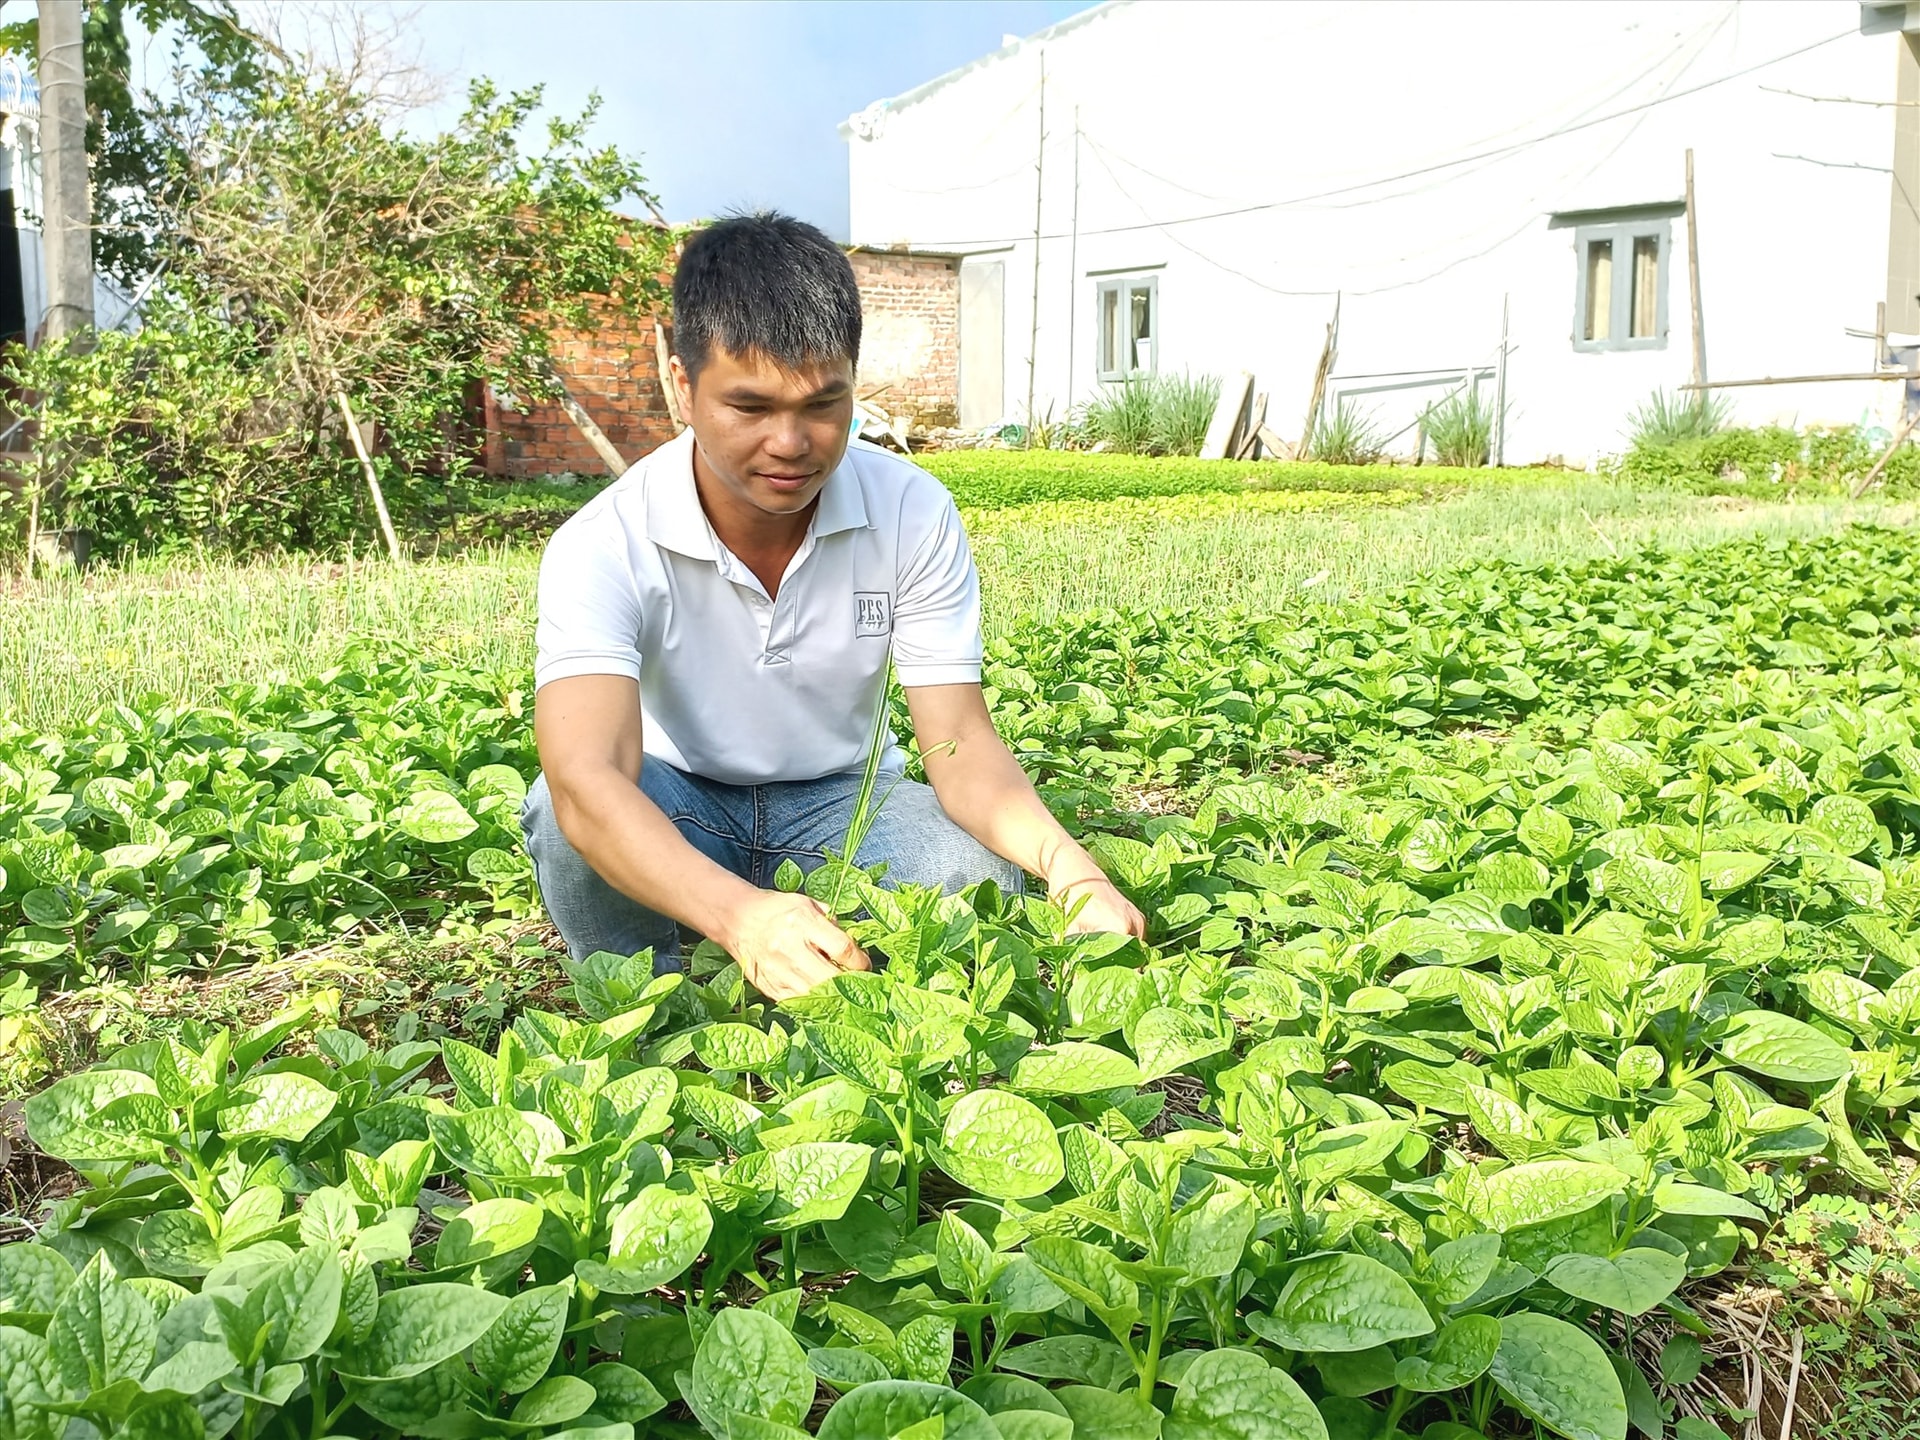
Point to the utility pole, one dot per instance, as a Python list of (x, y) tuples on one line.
[(68, 224), (1073, 257), (1039, 191)]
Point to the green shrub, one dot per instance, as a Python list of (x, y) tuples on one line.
[(1121, 417), (1182, 407), (1739, 460), (1460, 429), (1348, 437), (1673, 419), (1153, 414)]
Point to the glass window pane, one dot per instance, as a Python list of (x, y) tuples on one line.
[(1109, 329), (1646, 285), (1599, 324)]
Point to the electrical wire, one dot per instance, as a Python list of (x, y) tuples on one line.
[(1416, 172)]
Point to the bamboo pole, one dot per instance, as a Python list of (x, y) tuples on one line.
[(1808, 379), (1693, 280), (1899, 439), (664, 361), (373, 479)]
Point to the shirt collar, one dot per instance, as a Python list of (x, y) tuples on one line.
[(676, 521)]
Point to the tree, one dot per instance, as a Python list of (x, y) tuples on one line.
[(311, 248), (127, 156)]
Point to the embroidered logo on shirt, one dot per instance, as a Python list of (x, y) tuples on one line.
[(873, 613)]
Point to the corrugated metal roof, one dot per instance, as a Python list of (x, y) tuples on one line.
[(19, 91)]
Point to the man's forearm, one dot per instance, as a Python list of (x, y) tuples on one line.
[(634, 847), (986, 793)]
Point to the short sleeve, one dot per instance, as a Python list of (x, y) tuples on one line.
[(589, 616), (936, 619)]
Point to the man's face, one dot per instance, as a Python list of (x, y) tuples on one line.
[(770, 436)]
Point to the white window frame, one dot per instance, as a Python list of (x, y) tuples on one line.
[(1621, 228), (1126, 286)]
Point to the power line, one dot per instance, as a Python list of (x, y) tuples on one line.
[(1415, 173)]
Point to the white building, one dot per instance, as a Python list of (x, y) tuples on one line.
[(1210, 176)]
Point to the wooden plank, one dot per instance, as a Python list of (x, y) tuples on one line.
[(1249, 445), (1280, 449), (1234, 394), (1329, 352), (1806, 379), (664, 361)]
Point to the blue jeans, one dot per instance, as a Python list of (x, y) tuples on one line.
[(750, 829)]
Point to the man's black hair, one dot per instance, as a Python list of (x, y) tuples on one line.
[(765, 283)]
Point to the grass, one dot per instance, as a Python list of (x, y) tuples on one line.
[(69, 645)]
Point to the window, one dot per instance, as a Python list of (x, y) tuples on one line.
[(1128, 314), (1620, 301)]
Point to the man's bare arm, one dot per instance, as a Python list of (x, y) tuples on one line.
[(588, 730), (986, 793)]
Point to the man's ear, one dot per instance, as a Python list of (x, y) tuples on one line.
[(682, 381)]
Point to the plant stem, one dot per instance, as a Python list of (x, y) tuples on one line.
[(790, 1257), (1156, 1336)]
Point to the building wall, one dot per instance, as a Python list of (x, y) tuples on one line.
[(1260, 161), (910, 337)]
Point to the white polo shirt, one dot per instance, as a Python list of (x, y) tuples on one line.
[(738, 686)]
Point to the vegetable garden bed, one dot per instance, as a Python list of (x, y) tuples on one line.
[(1433, 1107)]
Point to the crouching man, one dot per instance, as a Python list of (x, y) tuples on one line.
[(713, 641)]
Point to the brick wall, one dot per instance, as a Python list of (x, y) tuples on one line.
[(909, 353), (910, 342), (613, 373)]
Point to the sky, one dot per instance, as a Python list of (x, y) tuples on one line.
[(730, 104)]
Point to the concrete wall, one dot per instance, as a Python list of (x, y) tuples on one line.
[(1260, 159)]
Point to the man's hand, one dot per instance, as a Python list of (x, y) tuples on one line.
[(1095, 906), (785, 944)]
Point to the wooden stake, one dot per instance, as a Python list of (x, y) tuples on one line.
[(1693, 280), (583, 422), (1304, 450), (1899, 439), (373, 478)]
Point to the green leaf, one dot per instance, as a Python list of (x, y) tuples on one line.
[(656, 1236), (926, 1349), (1457, 1356), (434, 816), (843, 1367), (518, 1348), (298, 1303), (169, 1420), (29, 1382), (66, 1119), (994, 1393), (1210, 1235), (853, 1053), (1235, 1395), (1166, 1040), (554, 1401), (1846, 820), (1557, 1374), (622, 1393), (963, 1258), (418, 1327), (1085, 1358), (1650, 887), (735, 1047), (1001, 1146), (1343, 1302), (749, 1363), (1542, 1190), (498, 1141), (889, 1408), (284, 1105), (486, 1230), (1090, 1275), (32, 1279), (101, 1330), (1782, 1048), (815, 1181), (1073, 1067), (1457, 1269), (1682, 1359), (1632, 1282), (1045, 1425), (1107, 1415)]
